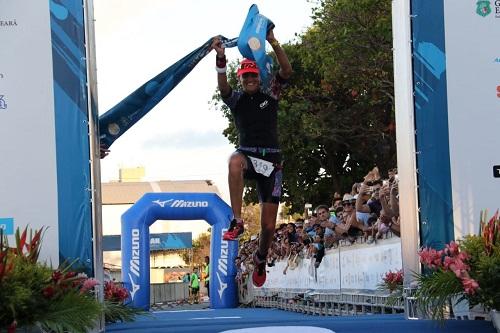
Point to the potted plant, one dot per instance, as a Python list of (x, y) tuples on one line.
[(466, 270), (393, 283), (36, 298)]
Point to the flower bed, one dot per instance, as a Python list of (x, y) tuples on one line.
[(468, 269), (33, 295)]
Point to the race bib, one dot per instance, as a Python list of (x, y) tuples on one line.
[(260, 166)]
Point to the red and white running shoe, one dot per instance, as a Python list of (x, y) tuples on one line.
[(259, 272), (235, 230)]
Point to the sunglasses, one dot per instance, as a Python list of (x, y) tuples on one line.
[(348, 203), (248, 75)]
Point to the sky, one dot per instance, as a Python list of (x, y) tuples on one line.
[(181, 138)]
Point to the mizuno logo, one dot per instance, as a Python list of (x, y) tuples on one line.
[(135, 260), (135, 287), (162, 203), (181, 203), (222, 286), (222, 265)]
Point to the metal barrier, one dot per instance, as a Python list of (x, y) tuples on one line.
[(168, 292), (327, 304)]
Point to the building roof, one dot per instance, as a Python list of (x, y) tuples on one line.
[(118, 193)]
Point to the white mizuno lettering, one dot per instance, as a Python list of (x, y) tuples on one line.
[(135, 260), (184, 203), (222, 265)]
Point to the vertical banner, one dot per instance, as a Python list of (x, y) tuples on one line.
[(456, 72), (472, 31), (44, 169), (431, 123)]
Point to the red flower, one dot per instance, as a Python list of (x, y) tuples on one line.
[(56, 276), (48, 292)]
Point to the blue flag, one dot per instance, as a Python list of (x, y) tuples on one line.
[(130, 110), (252, 42)]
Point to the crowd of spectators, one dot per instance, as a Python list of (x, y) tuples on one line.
[(368, 213)]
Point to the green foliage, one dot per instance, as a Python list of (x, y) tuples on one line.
[(73, 312), (119, 312), (469, 270), (20, 293), (486, 271), (33, 294), (200, 249), (435, 290), (336, 118)]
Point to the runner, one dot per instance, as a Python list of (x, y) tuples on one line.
[(258, 157)]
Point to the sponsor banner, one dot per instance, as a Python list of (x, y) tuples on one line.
[(45, 170), (357, 267), (363, 266), (164, 241), (7, 225), (472, 32), (28, 167)]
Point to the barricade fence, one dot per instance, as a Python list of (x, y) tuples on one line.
[(345, 283), (161, 293)]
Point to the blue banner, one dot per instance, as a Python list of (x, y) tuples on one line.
[(164, 241), (431, 123), (72, 141), (252, 42)]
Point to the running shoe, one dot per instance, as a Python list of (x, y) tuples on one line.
[(259, 272), (235, 230)]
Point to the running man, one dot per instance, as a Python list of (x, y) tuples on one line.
[(258, 156)]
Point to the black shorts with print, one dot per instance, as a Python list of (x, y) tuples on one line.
[(268, 188)]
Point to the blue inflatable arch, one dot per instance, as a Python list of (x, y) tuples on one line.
[(178, 206)]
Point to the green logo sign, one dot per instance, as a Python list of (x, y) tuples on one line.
[(483, 8)]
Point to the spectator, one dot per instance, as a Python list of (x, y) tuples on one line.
[(195, 287)]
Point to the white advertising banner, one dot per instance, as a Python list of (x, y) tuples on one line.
[(28, 171), (362, 267), (472, 35), (357, 267)]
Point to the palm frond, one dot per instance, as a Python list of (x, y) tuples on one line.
[(118, 312), (74, 313), (434, 292)]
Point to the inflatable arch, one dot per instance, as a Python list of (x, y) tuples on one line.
[(178, 206)]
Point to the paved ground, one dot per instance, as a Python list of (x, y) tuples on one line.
[(195, 318)]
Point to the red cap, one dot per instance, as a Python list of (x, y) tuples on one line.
[(247, 66)]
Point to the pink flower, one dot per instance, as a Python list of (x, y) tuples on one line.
[(470, 286), (88, 285), (431, 257), (452, 249)]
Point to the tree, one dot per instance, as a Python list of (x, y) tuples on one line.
[(337, 116), (200, 249)]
